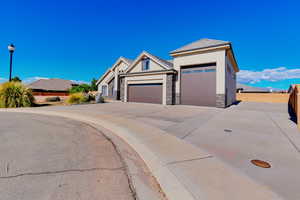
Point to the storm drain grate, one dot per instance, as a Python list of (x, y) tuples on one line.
[(261, 163)]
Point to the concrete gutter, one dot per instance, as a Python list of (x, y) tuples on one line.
[(183, 171)]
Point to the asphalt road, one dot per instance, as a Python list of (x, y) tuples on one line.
[(57, 159)]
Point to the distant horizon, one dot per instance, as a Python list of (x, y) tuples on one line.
[(79, 40)]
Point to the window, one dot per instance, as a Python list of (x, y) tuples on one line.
[(145, 64)]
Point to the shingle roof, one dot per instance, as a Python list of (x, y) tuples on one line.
[(201, 44), (53, 84), (169, 64)]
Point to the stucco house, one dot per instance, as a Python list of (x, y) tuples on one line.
[(201, 73)]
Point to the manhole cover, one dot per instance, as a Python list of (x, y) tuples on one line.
[(261, 163)]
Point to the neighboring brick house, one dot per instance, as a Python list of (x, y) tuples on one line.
[(201, 73), (43, 88)]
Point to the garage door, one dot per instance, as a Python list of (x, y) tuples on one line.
[(145, 93), (198, 85)]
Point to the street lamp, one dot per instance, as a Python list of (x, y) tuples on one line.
[(11, 49)]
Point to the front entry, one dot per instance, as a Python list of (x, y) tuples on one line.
[(145, 93), (198, 85)]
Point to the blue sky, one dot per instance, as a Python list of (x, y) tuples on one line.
[(79, 39)]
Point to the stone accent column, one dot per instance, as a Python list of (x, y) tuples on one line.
[(122, 88), (220, 100), (170, 89)]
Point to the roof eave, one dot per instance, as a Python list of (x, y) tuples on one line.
[(234, 60), (200, 50), (113, 67), (194, 49), (145, 53)]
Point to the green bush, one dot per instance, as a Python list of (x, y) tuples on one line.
[(77, 98), (52, 99), (99, 98), (80, 88), (14, 95)]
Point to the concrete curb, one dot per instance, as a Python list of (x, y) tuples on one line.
[(165, 155)]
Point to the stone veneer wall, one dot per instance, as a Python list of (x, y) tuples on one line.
[(220, 100), (122, 89), (170, 89)]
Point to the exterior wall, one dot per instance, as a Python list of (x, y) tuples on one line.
[(294, 104), (105, 81), (263, 97), (153, 66), (230, 83), (49, 93), (217, 57), (111, 91), (121, 66), (142, 79)]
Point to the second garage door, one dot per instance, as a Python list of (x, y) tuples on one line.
[(145, 93), (198, 85)]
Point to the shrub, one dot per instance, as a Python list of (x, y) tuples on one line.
[(15, 94), (99, 99), (77, 98), (52, 99), (80, 88)]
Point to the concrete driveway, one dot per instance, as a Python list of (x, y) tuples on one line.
[(235, 136), (56, 158)]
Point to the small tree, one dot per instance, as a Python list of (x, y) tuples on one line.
[(93, 85), (80, 88), (16, 79)]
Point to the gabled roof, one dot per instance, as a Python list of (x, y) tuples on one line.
[(53, 84), (200, 44), (129, 61), (120, 59), (165, 64)]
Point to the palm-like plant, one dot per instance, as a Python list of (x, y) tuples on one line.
[(14, 95)]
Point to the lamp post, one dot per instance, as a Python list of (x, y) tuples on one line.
[(11, 49)]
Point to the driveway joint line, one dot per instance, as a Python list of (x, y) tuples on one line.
[(61, 172), (284, 134), (192, 131), (188, 160)]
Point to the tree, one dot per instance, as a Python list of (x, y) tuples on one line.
[(16, 79), (93, 85), (80, 88)]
